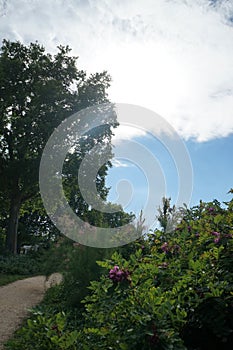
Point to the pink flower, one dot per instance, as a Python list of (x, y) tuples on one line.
[(117, 275), (216, 234)]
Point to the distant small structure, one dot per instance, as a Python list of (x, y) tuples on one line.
[(24, 249)]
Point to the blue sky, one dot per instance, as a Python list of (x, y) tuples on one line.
[(174, 57), (212, 172), (213, 169)]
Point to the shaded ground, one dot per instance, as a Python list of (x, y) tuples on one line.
[(15, 300)]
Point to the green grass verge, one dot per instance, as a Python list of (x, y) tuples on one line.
[(6, 279)]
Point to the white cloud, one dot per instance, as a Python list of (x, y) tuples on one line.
[(173, 56), (119, 163), (126, 132)]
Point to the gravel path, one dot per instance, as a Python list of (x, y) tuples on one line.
[(15, 300)]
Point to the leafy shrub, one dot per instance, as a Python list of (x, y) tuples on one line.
[(175, 293), (43, 333), (45, 261), (19, 265), (81, 269)]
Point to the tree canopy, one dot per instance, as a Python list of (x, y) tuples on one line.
[(37, 92)]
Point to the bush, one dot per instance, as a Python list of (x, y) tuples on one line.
[(176, 296), (43, 333), (174, 291), (49, 326), (45, 261), (19, 265), (81, 269)]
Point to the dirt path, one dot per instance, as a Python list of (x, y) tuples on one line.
[(15, 300)]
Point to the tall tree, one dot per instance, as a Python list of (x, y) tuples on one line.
[(37, 91)]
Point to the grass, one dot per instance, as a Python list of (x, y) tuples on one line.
[(6, 279)]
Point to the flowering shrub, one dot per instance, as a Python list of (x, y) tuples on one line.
[(179, 294), (174, 292), (117, 275)]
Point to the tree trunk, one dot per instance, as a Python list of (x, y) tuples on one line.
[(12, 229)]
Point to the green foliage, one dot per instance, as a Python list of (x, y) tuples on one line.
[(183, 285), (44, 333), (169, 216), (38, 91), (80, 266), (81, 269), (55, 258), (171, 291), (20, 265), (6, 279), (46, 261)]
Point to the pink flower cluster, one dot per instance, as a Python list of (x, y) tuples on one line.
[(217, 236), (117, 275)]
